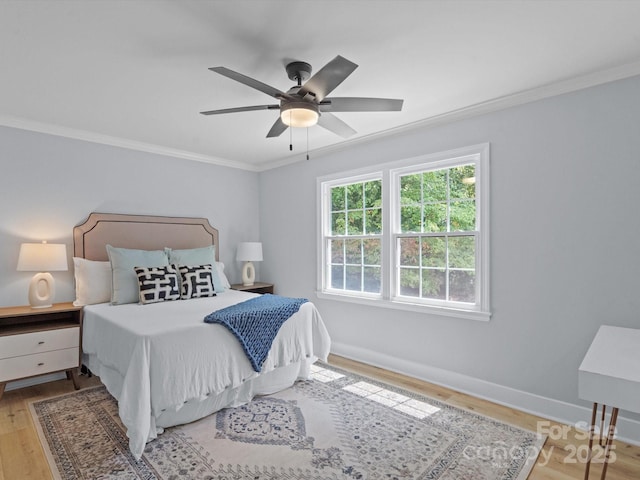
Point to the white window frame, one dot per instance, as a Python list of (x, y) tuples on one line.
[(390, 173), (325, 219)]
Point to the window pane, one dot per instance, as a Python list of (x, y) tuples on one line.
[(337, 199), (354, 196), (372, 281), (434, 284), (373, 221), (463, 216), (410, 219), (410, 189), (354, 252), (354, 278), (434, 252), (435, 186), (373, 194), (410, 282), (336, 249), (462, 286), (409, 252), (356, 209), (435, 217), (338, 224), (337, 276), (371, 251), (462, 182), (462, 252), (354, 222)]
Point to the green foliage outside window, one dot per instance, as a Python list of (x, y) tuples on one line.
[(356, 210), (433, 202)]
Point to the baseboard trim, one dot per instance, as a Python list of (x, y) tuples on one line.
[(549, 408)]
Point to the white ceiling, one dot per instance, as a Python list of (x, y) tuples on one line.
[(135, 73)]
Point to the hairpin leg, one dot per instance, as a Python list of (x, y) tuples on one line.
[(592, 430), (612, 428), (606, 444)]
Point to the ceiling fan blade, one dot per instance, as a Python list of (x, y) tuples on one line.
[(250, 82), (360, 104), (241, 109), (335, 125), (277, 129), (327, 78)]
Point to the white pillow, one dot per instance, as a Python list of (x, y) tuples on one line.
[(222, 276), (124, 282), (93, 281)]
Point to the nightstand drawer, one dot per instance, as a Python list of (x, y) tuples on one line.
[(39, 363), (39, 342)]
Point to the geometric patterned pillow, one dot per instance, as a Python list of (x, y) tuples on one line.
[(158, 284), (197, 281)]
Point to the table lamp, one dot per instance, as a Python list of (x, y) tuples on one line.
[(43, 258), (249, 252)]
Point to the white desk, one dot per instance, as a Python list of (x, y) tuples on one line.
[(610, 375)]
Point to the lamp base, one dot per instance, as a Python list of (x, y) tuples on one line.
[(42, 289), (248, 274)]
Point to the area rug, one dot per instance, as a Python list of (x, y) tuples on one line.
[(337, 425)]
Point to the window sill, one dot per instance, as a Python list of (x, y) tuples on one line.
[(412, 307)]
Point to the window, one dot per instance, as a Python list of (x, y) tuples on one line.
[(411, 235), (435, 236), (354, 238)]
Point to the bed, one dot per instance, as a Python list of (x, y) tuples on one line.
[(161, 361)]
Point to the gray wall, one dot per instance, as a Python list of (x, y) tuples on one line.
[(49, 184), (564, 258)]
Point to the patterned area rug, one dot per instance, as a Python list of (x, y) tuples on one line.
[(335, 426)]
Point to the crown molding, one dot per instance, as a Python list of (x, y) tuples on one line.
[(94, 137)]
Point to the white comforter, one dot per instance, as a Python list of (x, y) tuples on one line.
[(164, 355)]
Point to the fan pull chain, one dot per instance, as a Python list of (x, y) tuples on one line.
[(307, 143), (290, 134)]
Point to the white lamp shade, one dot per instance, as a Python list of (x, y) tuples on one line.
[(42, 257), (249, 252)]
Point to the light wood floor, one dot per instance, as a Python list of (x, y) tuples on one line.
[(21, 455)]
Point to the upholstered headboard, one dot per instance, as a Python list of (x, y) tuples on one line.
[(145, 232)]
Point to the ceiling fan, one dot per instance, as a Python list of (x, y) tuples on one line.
[(304, 105)]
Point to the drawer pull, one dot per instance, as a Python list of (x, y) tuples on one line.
[(41, 342), (41, 364)]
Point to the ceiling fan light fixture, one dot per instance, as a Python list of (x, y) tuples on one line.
[(299, 114)]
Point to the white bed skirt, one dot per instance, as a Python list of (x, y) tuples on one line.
[(264, 384)]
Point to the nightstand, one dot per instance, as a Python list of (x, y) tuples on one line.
[(36, 341), (257, 287)]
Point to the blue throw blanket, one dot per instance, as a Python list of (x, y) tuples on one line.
[(256, 322)]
